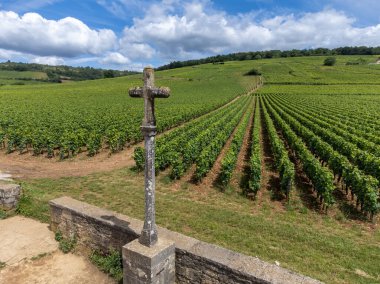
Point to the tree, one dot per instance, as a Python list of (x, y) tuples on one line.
[(253, 72), (330, 61), (108, 74)]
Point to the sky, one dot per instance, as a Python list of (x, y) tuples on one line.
[(130, 34)]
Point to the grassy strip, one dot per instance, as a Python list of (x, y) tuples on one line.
[(323, 247), (112, 264), (2, 265)]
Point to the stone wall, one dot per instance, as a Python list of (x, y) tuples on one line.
[(9, 196), (196, 261)]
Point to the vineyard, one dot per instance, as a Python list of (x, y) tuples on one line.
[(64, 120), (335, 151), (308, 138)]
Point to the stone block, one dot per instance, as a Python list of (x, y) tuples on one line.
[(9, 196), (153, 265), (196, 262)]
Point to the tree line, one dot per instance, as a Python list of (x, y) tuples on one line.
[(63, 72), (255, 55)]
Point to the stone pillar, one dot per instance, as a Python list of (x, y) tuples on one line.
[(149, 233), (149, 265), (9, 196)]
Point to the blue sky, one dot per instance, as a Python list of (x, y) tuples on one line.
[(128, 34)]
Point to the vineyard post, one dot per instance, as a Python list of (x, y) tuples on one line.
[(149, 259)]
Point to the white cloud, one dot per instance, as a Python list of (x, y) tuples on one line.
[(136, 50), (170, 30), (49, 60), (115, 58), (198, 30), (7, 54), (68, 37)]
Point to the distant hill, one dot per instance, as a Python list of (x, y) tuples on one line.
[(255, 55), (16, 73)]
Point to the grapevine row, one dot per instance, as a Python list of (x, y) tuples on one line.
[(229, 161), (254, 182), (321, 178), (205, 150), (367, 162), (168, 145), (66, 120), (282, 162), (363, 186), (356, 126), (356, 118), (167, 151), (336, 127)]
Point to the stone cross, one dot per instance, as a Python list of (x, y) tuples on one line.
[(149, 92)]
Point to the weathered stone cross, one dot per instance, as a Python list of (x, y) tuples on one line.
[(149, 92)]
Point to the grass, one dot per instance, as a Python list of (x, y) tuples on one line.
[(111, 264), (32, 208), (300, 239), (65, 245), (22, 74), (19, 78), (2, 265), (310, 71), (39, 256), (6, 214), (3, 215)]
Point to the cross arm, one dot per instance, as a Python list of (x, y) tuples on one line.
[(161, 92), (136, 92)]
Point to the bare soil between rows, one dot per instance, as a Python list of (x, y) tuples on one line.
[(27, 166)]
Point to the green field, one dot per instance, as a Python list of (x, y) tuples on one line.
[(22, 74), (310, 71), (20, 77), (319, 129)]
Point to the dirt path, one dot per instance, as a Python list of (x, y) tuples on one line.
[(29, 254), (55, 268), (22, 238), (27, 166)]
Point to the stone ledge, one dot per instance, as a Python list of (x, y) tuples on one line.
[(9, 196), (196, 261)]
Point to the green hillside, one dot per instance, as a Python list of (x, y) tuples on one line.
[(21, 77), (318, 134), (13, 73)]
